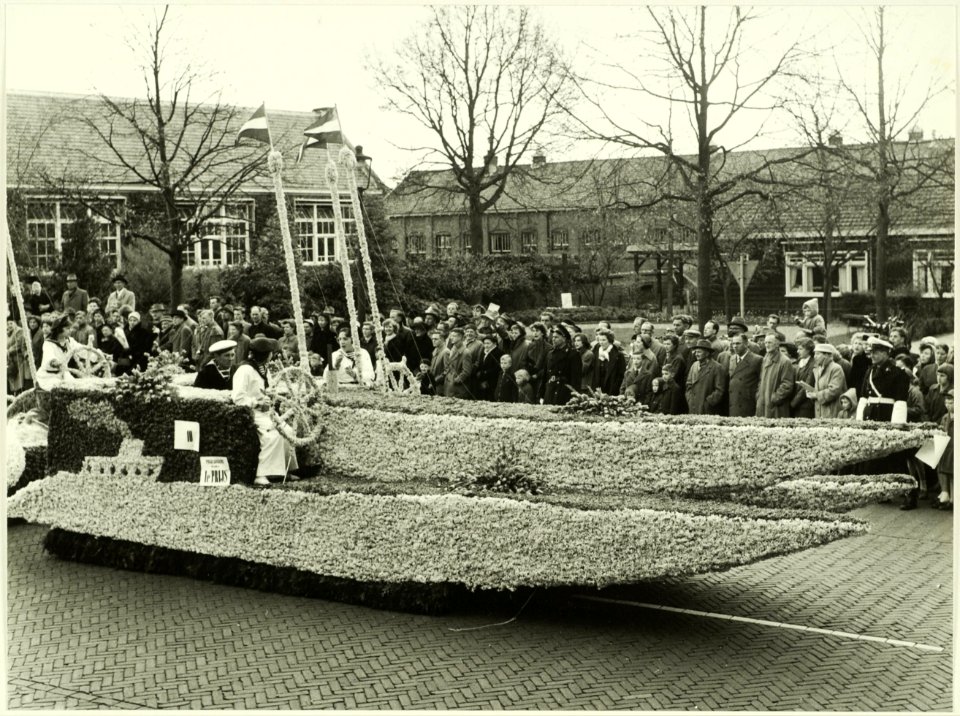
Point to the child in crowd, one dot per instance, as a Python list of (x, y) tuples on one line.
[(848, 404), (666, 393), (506, 390), (524, 389)]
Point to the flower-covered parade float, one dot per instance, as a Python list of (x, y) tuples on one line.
[(408, 501)]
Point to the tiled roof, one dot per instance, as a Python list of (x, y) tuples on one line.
[(582, 185), (47, 135)]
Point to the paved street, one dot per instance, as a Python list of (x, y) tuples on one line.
[(90, 637)]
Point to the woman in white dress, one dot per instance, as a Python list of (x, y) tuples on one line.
[(53, 363), (277, 456)]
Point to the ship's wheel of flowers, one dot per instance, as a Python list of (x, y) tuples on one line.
[(298, 411), (90, 362)]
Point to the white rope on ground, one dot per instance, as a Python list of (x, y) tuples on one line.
[(764, 622), (487, 626), (275, 163)]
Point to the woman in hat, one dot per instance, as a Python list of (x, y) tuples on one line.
[(137, 342), (277, 456), (53, 369), (828, 383), (802, 406)]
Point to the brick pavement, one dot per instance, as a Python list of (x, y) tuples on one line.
[(88, 637)]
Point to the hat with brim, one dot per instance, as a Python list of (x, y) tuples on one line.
[(562, 330), (928, 341), (704, 344), (949, 394), (328, 311), (739, 322), (878, 344), (432, 311), (946, 369), (32, 279), (262, 344), (692, 333), (120, 277), (825, 348), (221, 346), (71, 277), (158, 307), (178, 313)]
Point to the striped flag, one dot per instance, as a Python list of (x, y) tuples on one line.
[(256, 127), (325, 130)]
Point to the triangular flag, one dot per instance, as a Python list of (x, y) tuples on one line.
[(256, 127), (325, 130)]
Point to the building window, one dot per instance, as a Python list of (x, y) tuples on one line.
[(559, 239), (49, 223), (417, 245), (805, 275), (590, 238), (500, 243), (933, 273), (316, 231), (442, 245), (222, 239), (528, 242)]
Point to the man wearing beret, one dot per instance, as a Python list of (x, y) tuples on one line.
[(217, 374), (563, 368), (706, 382), (74, 297)]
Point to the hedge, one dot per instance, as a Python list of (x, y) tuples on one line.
[(97, 421)]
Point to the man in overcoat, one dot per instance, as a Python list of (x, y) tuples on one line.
[(777, 376), (706, 383), (743, 369)]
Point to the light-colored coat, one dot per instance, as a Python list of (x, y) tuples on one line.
[(777, 376), (829, 384)]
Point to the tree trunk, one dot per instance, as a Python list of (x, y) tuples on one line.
[(670, 279), (880, 284), (176, 279), (827, 274), (476, 226)]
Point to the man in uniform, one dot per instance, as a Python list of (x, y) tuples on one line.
[(883, 392), (217, 374)]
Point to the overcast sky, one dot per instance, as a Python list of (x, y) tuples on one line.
[(297, 57)]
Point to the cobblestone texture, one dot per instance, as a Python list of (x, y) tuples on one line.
[(84, 637)]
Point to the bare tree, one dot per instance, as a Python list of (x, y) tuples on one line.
[(709, 81), (179, 147), (486, 81), (896, 169)]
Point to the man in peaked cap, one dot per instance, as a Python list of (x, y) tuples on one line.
[(884, 388), (217, 374), (706, 382), (563, 368)]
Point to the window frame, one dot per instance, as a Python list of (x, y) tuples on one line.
[(319, 241), (793, 260), (555, 245), (60, 219), (501, 242), (925, 261)]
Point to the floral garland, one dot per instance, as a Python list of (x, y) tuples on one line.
[(297, 400), (333, 181), (480, 542), (275, 165), (833, 493), (350, 160)]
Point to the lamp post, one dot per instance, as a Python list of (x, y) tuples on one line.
[(363, 171)]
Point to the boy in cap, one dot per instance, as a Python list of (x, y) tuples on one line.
[(217, 374)]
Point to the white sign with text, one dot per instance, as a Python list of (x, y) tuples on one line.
[(186, 435), (214, 471)]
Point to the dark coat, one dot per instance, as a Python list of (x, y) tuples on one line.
[(800, 405), (706, 386), (536, 364), (563, 371), (459, 370), (608, 374), (859, 365), (488, 374), (324, 343), (744, 380), (209, 377), (667, 400), (884, 381), (507, 390)]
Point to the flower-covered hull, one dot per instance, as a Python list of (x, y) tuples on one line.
[(479, 542)]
